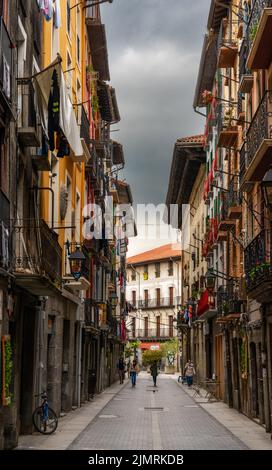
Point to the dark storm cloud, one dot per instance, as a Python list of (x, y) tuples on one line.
[(154, 50)]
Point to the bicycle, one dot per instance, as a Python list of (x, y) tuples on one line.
[(44, 418)]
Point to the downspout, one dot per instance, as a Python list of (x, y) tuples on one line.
[(264, 368)]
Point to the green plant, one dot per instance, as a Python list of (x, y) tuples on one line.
[(253, 32), (7, 365), (149, 357), (95, 103), (243, 358)]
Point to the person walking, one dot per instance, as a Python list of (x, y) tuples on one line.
[(128, 368), (189, 372), (154, 372), (133, 372), (121, 369)]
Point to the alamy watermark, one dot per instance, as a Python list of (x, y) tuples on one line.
[(149, 221)]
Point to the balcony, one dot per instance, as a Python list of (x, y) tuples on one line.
[(224, 221), (245, 76), (37, 257), (231, 299), (258, 267), (5, 252), (152, 333), (98, 43), (259, 32), (27, 121), (163, 302), (227, 46), (227, 128), (6, 69), (233, 206), (258, 148)]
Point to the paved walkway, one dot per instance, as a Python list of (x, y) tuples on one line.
[(147, 418)]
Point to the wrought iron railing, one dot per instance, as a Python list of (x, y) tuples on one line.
[(159, 302), (242, 163), (256, 13), (149, 333), (257, 256), (230, 297), (36, 249), (26, 105), (259, 128), (226, 116)]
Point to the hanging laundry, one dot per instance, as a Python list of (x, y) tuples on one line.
[(57, 14), (49, 14), (53, 110)]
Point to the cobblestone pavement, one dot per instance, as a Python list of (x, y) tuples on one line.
[(147, 418)]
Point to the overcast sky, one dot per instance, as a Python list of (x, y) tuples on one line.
[(154, 51)]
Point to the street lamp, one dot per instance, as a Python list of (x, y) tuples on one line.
[(266, 186), (113, 299), (210, 279), (76, 260)]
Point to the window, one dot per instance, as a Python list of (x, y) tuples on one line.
[(171, 296), (134, 298), (133, 275), (157, 269), (158, 297), (158, 327), (146, 327), (133, 327), (78, 49), (170, 268), (171, 330), (146, 298), (146, 272), (78, 34), (68, 18)]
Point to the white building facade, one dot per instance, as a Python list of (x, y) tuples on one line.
[(153, 291)]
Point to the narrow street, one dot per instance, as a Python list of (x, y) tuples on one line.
[(153, 419)]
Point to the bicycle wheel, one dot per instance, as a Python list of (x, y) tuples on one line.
[(44, 426)]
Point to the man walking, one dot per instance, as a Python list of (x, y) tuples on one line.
[(121, 369), (154, 372)]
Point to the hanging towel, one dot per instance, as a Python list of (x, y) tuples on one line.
[(49, 13), (57, 16)]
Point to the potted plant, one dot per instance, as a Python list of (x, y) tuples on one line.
[(207, 97)]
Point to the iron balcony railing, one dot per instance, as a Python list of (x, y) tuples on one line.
[(257, 255), (152, 333), (26, 105), (256, 13), (259, 128), (230, 298), (157, 302), (226, 116), (36, 249)]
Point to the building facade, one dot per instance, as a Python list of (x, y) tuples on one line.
[(154, 293), (233, 95)]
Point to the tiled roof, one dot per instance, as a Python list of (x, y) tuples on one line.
[(171, 250), (193, 139)]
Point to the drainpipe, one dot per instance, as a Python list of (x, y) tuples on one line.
[(264, 369), (39, 188), (79, 342)]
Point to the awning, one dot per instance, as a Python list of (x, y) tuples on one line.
[(150, 346), (203, 304), (99, 51), (68, 124)]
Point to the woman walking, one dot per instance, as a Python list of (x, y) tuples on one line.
[(133, 372)]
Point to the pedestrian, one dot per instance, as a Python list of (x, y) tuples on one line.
[(189, 372), (121, 369), (134, 372), (154, 372), (128, 368)]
